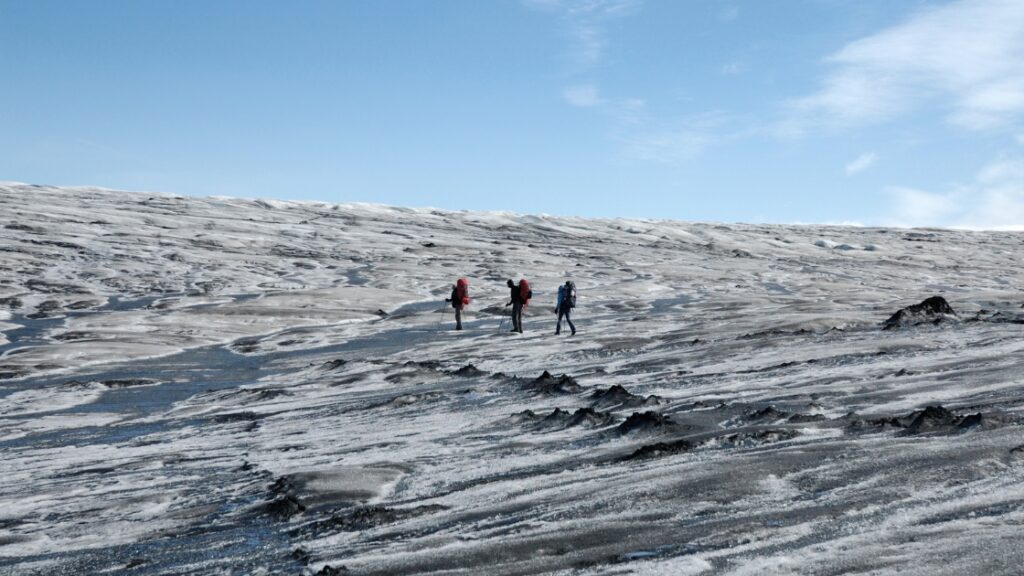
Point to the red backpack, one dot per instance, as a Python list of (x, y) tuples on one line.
[(462, 290), (524, 291)]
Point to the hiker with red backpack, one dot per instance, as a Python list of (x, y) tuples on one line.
[(520, 297), (564, 305), (459, 300)]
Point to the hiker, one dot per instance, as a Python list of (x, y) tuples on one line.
[(564, 305), (520, 297), (459, 300)]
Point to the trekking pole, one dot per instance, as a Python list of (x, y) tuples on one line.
[(501, 325), (441, 321)]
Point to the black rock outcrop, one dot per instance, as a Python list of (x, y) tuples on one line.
[(930, 419), (550, 385), (468, 371), (661, 449), (931, 311), (588, 417), (618, 397), (643, 422)]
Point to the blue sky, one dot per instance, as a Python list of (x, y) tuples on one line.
[(903, 112)]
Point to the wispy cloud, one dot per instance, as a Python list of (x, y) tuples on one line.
[(642, 136), (731, 68), (861, 163), (729, 13), (966, 56), (583, 96), (993, 200), (682, 141), (587, 24)]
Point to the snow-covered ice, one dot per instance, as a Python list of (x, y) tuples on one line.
[(226, 386)]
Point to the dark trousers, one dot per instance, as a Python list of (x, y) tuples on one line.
[(565, 313), (517, 317), (458, 318)]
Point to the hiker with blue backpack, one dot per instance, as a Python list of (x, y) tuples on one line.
[(564, 305)]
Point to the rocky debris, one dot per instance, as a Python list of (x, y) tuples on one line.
[(408, 399), (329, 571), (284, 507), (37, 285), (971, 420), (932, 419), (282, 485), (334, 364), (129, 382), (806, 418), (755, 438), (11, 302), (76, 385), (887, 422), (366, 518), (586, 417), (524, 416), (999, 317), (245, 345), (766, 413), (934, 310), (45, 309), (405, 376), (557, 419), (284, 504), (618, 397), (25, 228), (661, 449), (549, 385), (643, 422), (301, 555), (245, 416), (590, 418), (468, 371), (424, 364), (76, 335)]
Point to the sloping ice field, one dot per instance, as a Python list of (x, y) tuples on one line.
[(222, 386)]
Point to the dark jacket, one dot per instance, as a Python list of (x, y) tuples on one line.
[(515, 295)]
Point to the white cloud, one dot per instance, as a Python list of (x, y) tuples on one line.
[(729, 14), (583, 96), (682, 143), (861, 163), (966, 56), (994, 200), (731, 68), (670, 147), (587, 24)]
